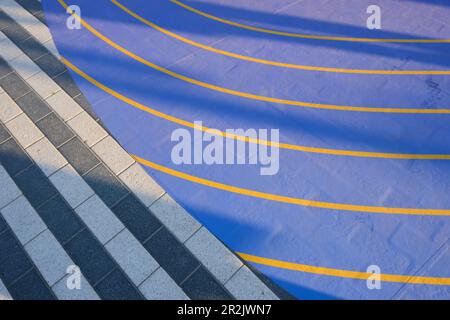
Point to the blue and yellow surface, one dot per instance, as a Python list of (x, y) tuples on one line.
[(364, 120)]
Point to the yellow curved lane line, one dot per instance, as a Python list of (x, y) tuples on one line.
[(227, 135), (271, 62), (291, 200), (304, 36), (249, 95), (343, 273)]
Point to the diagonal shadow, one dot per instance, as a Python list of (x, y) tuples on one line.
[(297, 121), (437, 54), (315, 27), (432, 53)]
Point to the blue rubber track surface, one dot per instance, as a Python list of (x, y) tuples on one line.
[(329, 249)]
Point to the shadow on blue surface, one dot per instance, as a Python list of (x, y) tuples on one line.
[(437, 54), (296, 122), (311, 26), (304, 293)]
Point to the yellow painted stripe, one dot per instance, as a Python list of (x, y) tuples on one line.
[(274, 63), (249, 95), (343, 273), (294, 147), (305, 36), (291, 200)]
